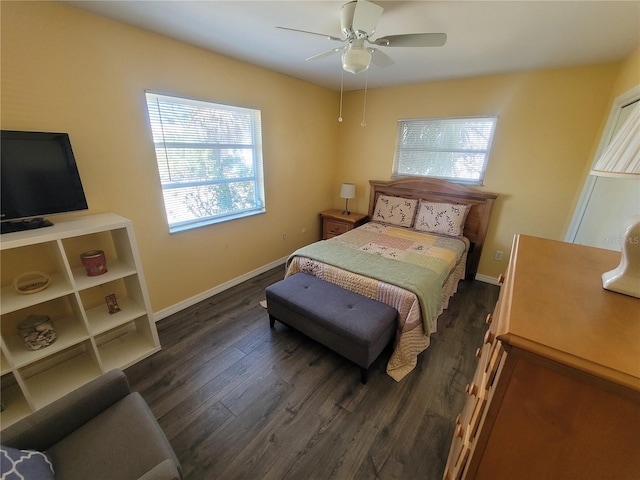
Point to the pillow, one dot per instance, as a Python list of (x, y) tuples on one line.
[(442, 218), (30, 464), (395, 211)]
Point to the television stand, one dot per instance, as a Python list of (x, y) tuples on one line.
[(21, 225)]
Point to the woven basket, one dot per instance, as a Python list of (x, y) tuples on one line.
[(31, 282)]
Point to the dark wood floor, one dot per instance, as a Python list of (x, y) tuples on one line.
[(239, 400)]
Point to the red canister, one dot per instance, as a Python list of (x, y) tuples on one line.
[(94, 262)]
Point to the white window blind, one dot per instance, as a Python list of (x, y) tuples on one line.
[(209, 158), (455, 149)]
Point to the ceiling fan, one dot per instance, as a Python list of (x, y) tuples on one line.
[(358, 21)]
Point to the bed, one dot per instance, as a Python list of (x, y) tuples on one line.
[(422, 238)]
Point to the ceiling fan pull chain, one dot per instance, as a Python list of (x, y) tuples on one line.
[(341, 88), (364, 105)]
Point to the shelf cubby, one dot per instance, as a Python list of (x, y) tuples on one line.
[(125, 345), (67, 319), (12, 300), (14, 403), (129, 298), (5, 366), (44, 257), (60, 374)]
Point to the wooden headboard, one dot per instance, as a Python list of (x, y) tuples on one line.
[(435, 190)]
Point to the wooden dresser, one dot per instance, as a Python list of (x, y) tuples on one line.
[(556, 394)]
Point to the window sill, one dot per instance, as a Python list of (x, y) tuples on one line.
[(212, 221)]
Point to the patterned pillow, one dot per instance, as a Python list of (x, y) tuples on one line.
[(442, 218), (395, 211), (16, 464)]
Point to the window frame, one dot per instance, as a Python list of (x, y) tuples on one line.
[(160, 143), (424, 121)]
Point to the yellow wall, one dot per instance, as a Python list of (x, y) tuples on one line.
[(629, 75), (545, 132), (66, 70)]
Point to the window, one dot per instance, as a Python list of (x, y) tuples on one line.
[(455, 149), (209, 159)]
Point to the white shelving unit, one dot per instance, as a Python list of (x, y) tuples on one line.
[(89, 340)]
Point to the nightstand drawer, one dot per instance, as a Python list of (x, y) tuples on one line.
[(333, 228), (335, 223)]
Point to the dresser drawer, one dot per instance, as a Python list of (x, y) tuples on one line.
[(476, 417), (459, 444), (452, 468), (492, 367)]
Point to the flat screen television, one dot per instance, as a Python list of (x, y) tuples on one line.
[(38, 177)]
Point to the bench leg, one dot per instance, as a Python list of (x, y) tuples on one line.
[(364, 375), (272, 320)]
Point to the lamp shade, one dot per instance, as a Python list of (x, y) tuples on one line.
[(348, 190), (621, 158)]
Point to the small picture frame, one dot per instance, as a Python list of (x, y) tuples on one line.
[(112, 303)]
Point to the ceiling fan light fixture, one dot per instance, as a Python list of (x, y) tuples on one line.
[(356, 60), (358, 22)]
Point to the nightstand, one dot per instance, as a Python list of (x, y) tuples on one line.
[(334, 223)]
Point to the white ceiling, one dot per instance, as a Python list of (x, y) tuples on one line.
[(484, 37)]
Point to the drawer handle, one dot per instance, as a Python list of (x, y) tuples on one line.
[(489, 337), (478, 352), (458, 419), (459, 431), (489, 318), (500, 279)]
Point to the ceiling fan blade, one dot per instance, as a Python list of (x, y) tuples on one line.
[(413, 40), (379, 58), (366, 17), (325, 54), (328, 37)]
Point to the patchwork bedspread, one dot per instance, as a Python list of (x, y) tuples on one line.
[(414, 272)]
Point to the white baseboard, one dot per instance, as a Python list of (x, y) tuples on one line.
[(486, 279), (215, 290)]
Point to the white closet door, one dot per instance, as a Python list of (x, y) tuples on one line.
[(611, 206)]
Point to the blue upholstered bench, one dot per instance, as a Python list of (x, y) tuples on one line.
[(350, 324)]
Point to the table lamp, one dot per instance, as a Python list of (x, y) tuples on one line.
[(347, 191)]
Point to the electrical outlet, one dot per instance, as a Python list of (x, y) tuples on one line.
[(498, 255)]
